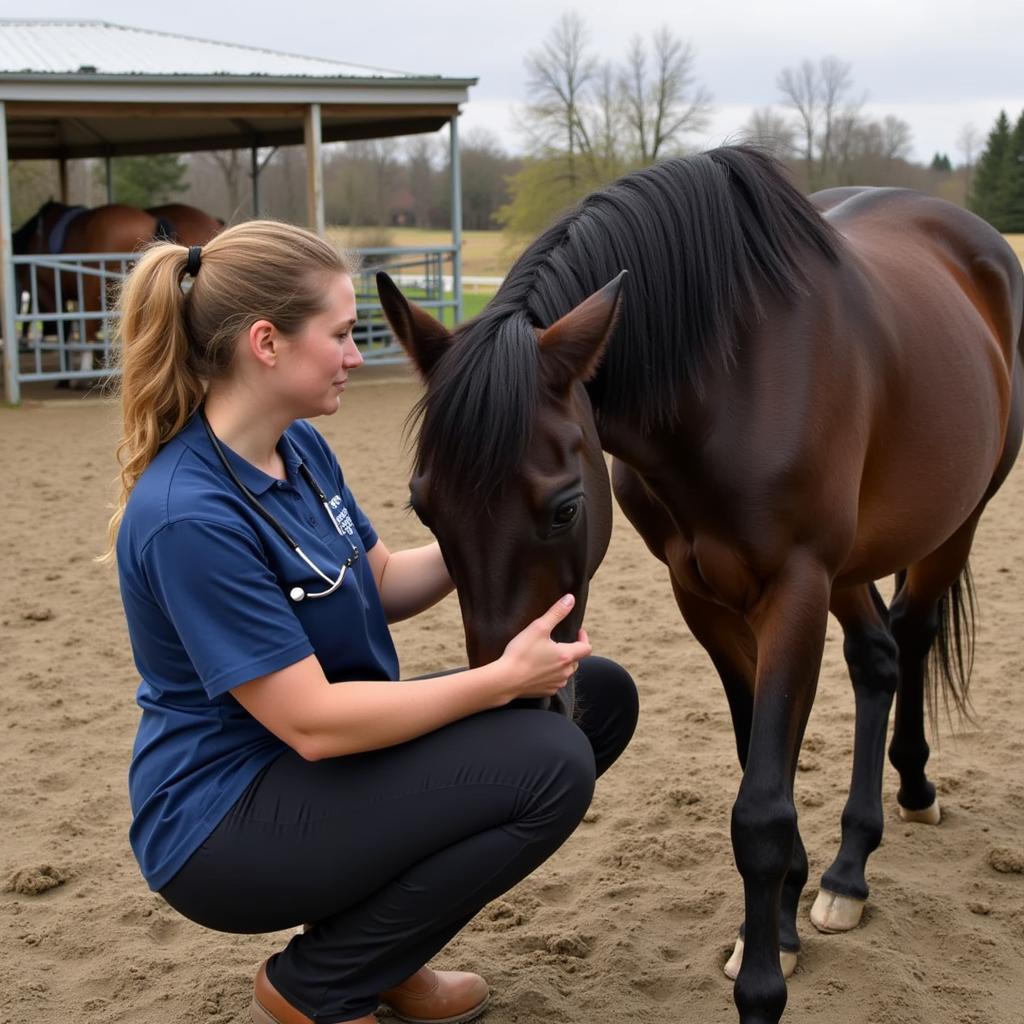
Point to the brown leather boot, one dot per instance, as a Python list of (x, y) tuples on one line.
[(438, 997), (270, 1007)]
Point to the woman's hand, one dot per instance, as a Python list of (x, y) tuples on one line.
[(534, 664), (318, 719)]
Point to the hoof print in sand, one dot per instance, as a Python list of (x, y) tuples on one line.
[(37, 615), (35, 880), (1007, 861)]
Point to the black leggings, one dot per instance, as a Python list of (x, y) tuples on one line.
[(390, 853)]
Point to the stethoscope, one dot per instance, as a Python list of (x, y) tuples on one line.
[(296, 593)]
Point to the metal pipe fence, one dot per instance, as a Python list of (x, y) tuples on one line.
[(64, 321)]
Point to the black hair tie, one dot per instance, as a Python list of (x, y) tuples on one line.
[(194, 256)]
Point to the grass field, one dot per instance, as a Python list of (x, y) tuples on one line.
[(474, 301), (484, 253)]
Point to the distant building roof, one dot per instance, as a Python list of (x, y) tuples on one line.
[(31, 46)]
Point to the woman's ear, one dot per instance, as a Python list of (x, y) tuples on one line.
[(264, 342)]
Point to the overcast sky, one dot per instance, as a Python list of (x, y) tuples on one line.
[(937, 64)]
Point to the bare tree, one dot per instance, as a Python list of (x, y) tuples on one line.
[(486, 169), (232, 165), (835, 80), (423, 153), (664, 103), (361, 179), (283, 185), (850, 138), (559, 75), (821, 96), (897, 137), (967, 143), (800, 90), (771, 131), (606, 124), (633, 84)]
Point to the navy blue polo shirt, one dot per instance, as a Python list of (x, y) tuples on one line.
[(205, 583)]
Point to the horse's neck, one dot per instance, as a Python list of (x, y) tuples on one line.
[(625, 438)]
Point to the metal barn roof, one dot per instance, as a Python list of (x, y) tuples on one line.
[(98, 47), (89, 88)]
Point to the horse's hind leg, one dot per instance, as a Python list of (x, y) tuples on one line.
[(730, 645), (916, 617), (929, 590), (871, 655)]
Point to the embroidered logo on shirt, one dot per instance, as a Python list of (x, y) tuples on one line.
[(341, 516)]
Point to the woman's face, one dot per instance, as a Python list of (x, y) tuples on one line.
[(317, 361)]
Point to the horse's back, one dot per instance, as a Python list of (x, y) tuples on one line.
[(115, 227), (938, 296), (904, 229)]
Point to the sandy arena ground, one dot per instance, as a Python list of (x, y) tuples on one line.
[(629, 922)]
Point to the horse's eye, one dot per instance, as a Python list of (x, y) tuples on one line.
[(566, 513), (417, 510)]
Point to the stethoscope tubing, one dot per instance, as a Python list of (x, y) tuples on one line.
[(296, 593)]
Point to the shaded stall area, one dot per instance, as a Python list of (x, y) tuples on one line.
[(88, 89)]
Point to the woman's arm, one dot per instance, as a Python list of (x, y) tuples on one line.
[(409, 581), (319, 719)]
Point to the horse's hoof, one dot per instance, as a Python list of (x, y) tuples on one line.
[(834, 913), (787, 961), (926, 816)]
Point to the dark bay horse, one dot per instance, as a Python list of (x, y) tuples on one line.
[(56, 228), (801, 398)]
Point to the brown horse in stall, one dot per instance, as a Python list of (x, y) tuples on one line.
[(801, 398), (57, 228)]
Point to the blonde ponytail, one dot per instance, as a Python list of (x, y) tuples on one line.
[(159, 388), (172, 341)]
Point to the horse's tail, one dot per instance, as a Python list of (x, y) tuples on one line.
[(951, 658), (165, 230)]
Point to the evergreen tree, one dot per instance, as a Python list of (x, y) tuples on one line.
[(1013, 173), (149, 180), (989, 195), (940, 162)]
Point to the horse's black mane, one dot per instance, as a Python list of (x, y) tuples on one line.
[(703, 238)]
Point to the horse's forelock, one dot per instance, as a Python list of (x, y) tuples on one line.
[(476, 416)]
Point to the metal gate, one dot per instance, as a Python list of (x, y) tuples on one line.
[(64, 321)]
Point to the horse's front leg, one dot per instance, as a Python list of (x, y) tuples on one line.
[(788, 623), (730, 644)]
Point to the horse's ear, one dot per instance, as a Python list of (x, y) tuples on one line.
[(424, 339), (571, 348)]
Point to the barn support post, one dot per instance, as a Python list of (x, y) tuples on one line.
[(62, 171), (11, 382), (456, 183), (109, 165), (254, 173), (314, 170)]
